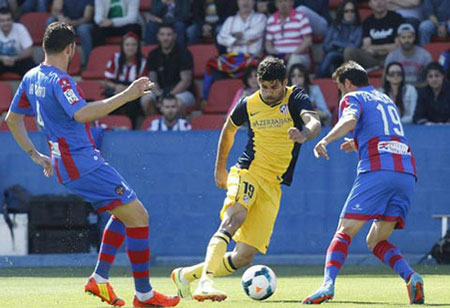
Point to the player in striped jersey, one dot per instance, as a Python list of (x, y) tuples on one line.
[(384, 184)]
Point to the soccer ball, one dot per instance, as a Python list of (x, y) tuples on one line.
[(259, 282)]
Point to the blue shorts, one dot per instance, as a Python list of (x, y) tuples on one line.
[(382, 195), (104, 188)]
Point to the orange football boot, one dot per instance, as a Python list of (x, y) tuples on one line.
[(104, 291), (158, 300)]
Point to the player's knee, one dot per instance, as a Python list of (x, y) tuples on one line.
[(232, 222), (371, 241), (139, 215)]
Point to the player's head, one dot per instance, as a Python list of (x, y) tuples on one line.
[(170, 107), (272, 80), (350, 76), (59, 39), (6, 20)]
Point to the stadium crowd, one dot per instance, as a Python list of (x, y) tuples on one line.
[(202, 54)]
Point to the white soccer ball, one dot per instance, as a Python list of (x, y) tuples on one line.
[(259, 282)]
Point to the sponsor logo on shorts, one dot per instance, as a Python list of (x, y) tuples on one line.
[(120, 190), (394, 147)]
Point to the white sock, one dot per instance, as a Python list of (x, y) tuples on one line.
[(183, 280), (143, 297), (99, 278)]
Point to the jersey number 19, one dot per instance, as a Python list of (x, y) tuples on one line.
[(394, 117)]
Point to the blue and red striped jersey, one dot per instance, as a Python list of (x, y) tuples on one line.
[(379, 134), (53, 97)]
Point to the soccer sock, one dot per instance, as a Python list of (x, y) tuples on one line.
[(139, 254), (391, 256), (214, 253), (113, 237), (336, 255), (194, 272)]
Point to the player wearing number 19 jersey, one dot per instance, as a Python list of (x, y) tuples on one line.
[(384, 184)]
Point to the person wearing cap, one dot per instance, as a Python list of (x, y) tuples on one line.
[(379, 36), (413, 58), (122, 69)]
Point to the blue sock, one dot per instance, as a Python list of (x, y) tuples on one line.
[(391, 256), (336, 255), (139, 253)]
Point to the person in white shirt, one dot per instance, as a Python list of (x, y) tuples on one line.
[(170, 121), (243, 32), (16, 45)]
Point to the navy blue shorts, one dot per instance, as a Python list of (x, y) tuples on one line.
[(382, 195), (104, 188)]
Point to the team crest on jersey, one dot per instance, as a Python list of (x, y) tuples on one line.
[(120, 190), (284, 109)]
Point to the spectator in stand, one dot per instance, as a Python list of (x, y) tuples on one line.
[(266, 7), (288, 34), (170, 120), (317, 13), (379, 36), (115, 18), (346, 31), (242, 35), (436, 14), (402, 94), (299, 76), (444, 60), (79, 14), (250, 86), (28, 6), (433, 105), (413, 58), (176, 12), (16, 45), (170, 68), (411, 10), (208, 17), (12, 6), (122, 69)]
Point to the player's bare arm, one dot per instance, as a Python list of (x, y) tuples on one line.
[(17, 127), (99, 109), (349, 145), (310, 131), (343, 126), (226, 141)]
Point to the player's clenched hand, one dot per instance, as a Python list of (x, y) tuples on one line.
[(139, 87), (348, 145), (321, 149), (44, 161), (221, 177), (296, 135)]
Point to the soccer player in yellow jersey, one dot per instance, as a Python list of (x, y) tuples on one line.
[(279, 119)]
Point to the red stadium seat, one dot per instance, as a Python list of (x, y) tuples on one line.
[(364, 14), (436, 49), (208, 122), (92, 89), (6, 97), (35, 22), (75, 65), (329, 90), (334, 4), (146, 124), (145, 5), (376, 82), (376, 73), (113, 40), (363, 5), (30, 125), (201, 55), (221, 95), (10, 76), (97, 61), (116, 121)]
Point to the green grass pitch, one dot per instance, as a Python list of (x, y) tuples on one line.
[(357, 286)]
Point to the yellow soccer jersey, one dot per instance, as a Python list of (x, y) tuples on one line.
[(270, 153)]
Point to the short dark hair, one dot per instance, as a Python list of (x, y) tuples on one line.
[(434, 66), (352, 71), (169, 97), (271, 69), (5, 11), (57, 37), (167, 25)]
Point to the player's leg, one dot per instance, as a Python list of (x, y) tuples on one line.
[(336, 255), (135, 218)]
